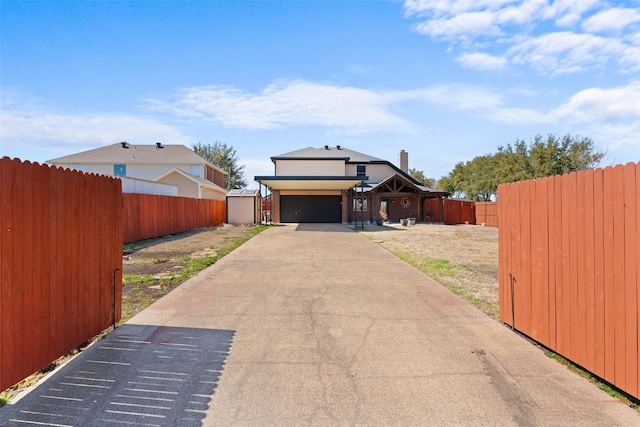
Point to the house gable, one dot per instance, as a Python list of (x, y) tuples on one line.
[(396, 184), (192, 186)]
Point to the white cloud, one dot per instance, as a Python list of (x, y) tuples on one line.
[(523, 13), (621, 137), (294, 103), (19, 127), (451, 7), (482, 61), (569, 12), (611, 20), (478, 102), (464, 26), (565, 52), (600, 105), (541, 34), (464, 98)]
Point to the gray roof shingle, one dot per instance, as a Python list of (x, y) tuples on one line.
[(327, 153), (135, 154)]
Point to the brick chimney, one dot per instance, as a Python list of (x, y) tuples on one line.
[(403, 161)]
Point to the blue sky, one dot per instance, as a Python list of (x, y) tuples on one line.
[(444, 80)]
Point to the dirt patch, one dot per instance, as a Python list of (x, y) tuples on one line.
[(153, 268), (464, 258)]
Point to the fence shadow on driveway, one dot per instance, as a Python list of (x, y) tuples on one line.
[(136, 375)]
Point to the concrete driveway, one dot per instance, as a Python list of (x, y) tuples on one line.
[(320, 326)]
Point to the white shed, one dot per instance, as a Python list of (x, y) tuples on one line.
[(244, 207)]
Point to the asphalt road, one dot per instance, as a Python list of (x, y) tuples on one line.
[(316, 325)]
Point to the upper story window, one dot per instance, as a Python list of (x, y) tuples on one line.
[(361, 170), (120, 170)]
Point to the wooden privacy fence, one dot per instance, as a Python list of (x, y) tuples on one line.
[(147, 216), (462, 211), (569, 267), (486, 213), (60, 263), (431, 210), (459, 212)]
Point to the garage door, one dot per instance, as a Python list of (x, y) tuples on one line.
[(310, 209)]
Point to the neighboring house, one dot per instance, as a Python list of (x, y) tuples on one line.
[(174, 165), (335, 184)]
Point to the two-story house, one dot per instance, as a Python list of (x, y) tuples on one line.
[(174, 165), (335, 184)]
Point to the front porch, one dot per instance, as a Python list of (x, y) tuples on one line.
[(392, 200)]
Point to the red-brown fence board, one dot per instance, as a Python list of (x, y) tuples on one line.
[(486, 213), (503, 256), (619, 267), (431, 209), (609, 275), (638, 266), (6, 270), (539, 255), (630, 279), (571, 244), (553, 213), (516, 257), (564, 338), (147, 216), (578, 231), (51, 242), (462, 212), (589, 267), (598, 275)]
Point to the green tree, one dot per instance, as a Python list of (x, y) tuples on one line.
[(475, 180), (421, 178), (224, 157), (550, 156), (478, 179)]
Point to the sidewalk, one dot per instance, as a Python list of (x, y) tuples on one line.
[(318, 326)]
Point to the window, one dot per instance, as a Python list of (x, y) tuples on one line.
[(120, 170), (361, 170), (359, 204)]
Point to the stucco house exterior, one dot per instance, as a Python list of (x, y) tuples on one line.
[(173, 165), (335, 184)]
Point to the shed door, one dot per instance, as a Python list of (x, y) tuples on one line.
[(311, 209)]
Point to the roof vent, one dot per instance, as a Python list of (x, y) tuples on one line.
[(159, 145), (326, 147), (124, 144)]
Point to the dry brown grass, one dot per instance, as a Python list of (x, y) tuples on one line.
[(464, 258)]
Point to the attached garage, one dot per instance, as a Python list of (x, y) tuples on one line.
[(306, 209)]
